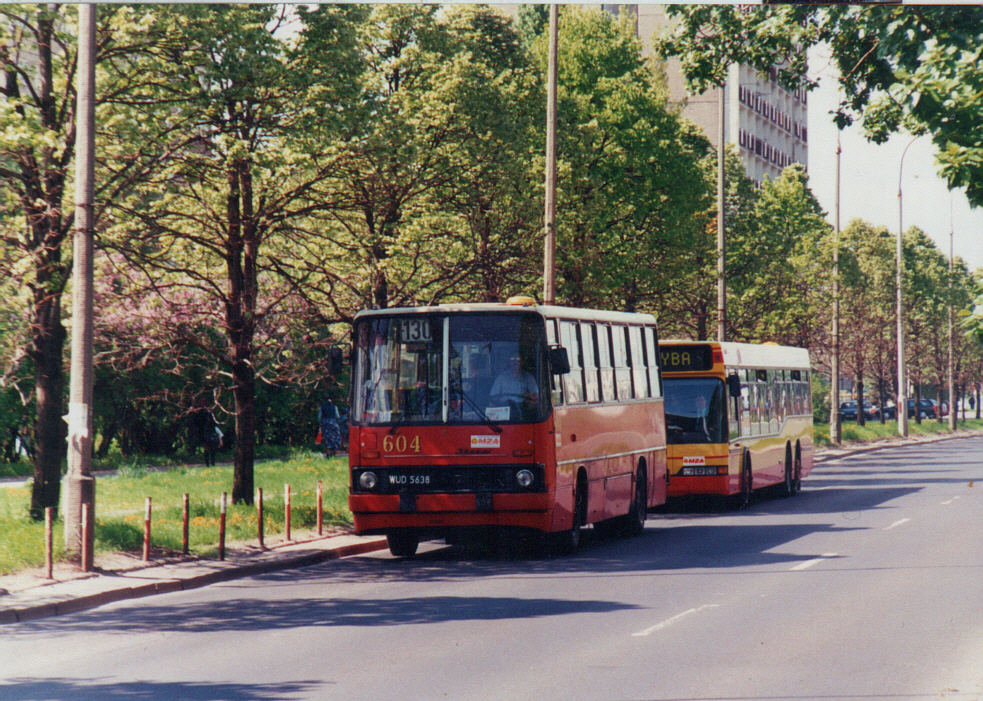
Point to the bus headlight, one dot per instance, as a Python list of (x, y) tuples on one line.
[(368, 480), (525, 478)]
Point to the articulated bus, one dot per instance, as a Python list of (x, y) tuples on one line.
[(738, 418), (475, 417)]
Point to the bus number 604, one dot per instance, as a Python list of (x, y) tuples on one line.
[(400, 444)]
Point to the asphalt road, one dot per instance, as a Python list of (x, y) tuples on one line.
[(867, 585)]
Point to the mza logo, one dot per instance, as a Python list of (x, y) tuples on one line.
[(698, 460), (486, 441)]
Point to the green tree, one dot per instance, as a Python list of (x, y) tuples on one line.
[(435, 182), (773, 272), (37, 148), (630, 184), (229, 142)]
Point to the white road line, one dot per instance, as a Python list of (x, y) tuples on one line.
[(669, 621), (946, 503), (809, 563), (896, 524)]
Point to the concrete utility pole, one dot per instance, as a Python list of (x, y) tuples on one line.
[(721, 218), (549, 248), (835, 435), (80, 485)]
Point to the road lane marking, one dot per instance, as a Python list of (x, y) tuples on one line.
[(946, 503), (896, 524), (809, 563), (669, 621)]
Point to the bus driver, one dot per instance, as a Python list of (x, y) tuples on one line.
[(515, 385)]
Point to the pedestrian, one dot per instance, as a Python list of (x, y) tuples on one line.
[(329, 419), (207, 433)]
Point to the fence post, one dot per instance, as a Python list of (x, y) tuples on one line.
[(184, 524), (221, 529), (146, 532), (259, 515), (49, 515), (320, 508)]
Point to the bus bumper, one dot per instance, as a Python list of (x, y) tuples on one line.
[(681, 486), (378, 513)]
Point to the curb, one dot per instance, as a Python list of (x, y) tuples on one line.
[(73, 604)]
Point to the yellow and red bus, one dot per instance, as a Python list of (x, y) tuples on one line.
[(474, 417), (738, 417)]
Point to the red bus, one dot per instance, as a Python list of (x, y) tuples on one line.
[(738, 417), (475, 417)]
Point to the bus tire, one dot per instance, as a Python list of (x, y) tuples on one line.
[(797, 470), (633, 523), (788, 486), (403, 542), (566, 542), (743, 498)]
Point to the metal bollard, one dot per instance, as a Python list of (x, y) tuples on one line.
[(221, 529), (184, 524), (286, 509), (146, 533), (49, 517), (87, 539), (320, 508), (259, 516)]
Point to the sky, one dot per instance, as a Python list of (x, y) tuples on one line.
[(869, 177)]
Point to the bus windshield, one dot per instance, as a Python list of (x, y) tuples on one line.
[(454, 368), (695, 410)]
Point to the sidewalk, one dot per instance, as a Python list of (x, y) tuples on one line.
[(28, 596), (118, 576)]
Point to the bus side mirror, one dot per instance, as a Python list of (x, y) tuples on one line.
[(559, 362), (734, 386), (336, 361)]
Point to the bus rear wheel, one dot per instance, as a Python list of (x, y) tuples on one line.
[(788, 487), (403, 542), (633, 523)]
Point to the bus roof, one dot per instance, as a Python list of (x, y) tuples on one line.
[(549, 311), (757, 355)]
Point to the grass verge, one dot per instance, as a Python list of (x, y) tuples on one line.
[(121, 499), (875, 430)]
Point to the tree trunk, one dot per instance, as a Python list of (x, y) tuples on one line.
[(244, 392), (49, 428)]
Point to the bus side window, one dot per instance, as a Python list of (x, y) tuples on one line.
[(589, 347), (622, 373), (639, 371), (573, 381), (604, 362), (652, 356), (556, 381)]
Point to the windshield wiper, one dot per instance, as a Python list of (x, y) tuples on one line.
[(481, 414)]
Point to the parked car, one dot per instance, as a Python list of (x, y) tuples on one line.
[(848, 411), (926, 409), (890, 412)]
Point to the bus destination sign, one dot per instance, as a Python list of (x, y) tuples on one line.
[(686, 358)]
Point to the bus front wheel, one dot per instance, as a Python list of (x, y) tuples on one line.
[(567, 542), (403, 543)]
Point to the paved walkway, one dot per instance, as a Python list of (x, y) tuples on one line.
[(29, 596)]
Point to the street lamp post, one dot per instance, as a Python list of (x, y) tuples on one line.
[(835, 435), (549, 248), (902, 405)]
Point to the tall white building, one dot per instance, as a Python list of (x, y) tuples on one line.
[(767, 122)]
